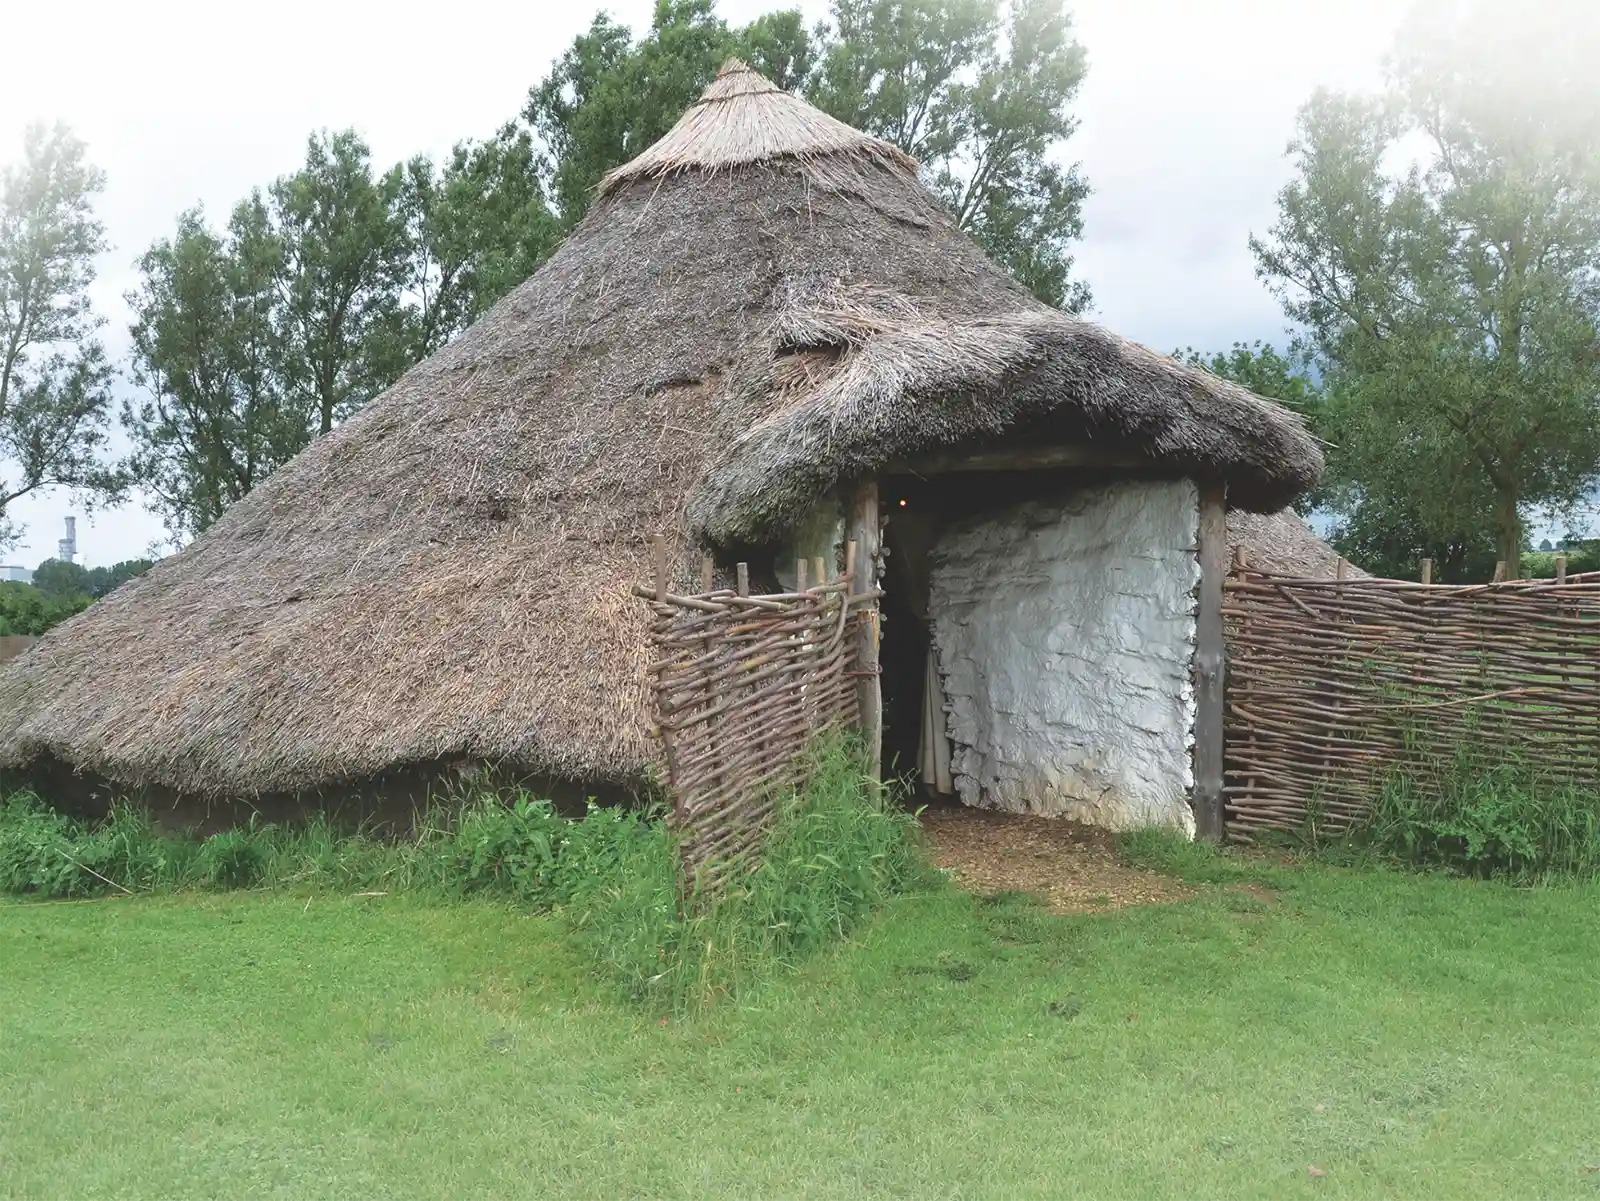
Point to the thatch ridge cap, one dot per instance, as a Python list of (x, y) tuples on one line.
[(743, 119)]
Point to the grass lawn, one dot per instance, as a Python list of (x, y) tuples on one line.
[(1409, 1036)]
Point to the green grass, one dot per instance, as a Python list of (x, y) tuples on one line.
[(1410, 1035), (838, 848)]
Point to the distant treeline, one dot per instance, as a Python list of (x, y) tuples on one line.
[(60, 590)]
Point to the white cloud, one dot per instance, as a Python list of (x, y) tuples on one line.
[(1185, 116)]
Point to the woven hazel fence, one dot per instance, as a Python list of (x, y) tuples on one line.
[(1334, 686), (743, 685)]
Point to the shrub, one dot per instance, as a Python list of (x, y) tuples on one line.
[(524, 849), (25, 609), (48, 854), (1506, 820), (233, 858), (840, 848)]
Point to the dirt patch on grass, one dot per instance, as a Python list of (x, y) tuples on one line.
[(1073, 868)]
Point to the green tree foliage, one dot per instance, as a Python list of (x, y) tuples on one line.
[(471, 231), (343, 253), (54, 379), (103, 581), (607, 98), (981, 95), (1453, 305), (1382, 534), (978, 91), (25, 609), (1265, 371), (210, 423), (320, 293), (58, 580)]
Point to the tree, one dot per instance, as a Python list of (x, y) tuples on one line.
[(344, 257), (1453, 305), (54, 379), (606, 99), (979, 95), (779, 46), (103, 581), (319, 294), (983, 99), (212, 423), (25, 609), (471, 232), (1262, 369), (60, 580)]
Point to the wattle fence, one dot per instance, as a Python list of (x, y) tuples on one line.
[(1334, 686), (743, 685)]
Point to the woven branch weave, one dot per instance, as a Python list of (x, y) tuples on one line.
[(1333, 686), (742, 686)]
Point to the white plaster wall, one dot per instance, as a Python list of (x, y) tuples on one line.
[(821, 534), (1065, 631)]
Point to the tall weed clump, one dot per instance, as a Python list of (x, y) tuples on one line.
[(840, 848), (1504, 820), (524, 850), (47, 854)]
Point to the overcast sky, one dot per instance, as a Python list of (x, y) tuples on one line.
[(1185, 115)]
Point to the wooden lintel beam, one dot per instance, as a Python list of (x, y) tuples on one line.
[(1021, 458)]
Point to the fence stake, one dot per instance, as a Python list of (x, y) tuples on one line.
[(1427, 572), (1561, 569), (742, 578), (1209, 663), (866, 531), (708, 573), (799, 575), (1499, 572)]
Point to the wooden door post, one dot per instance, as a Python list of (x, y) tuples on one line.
[(1209, 663), (866, 533)]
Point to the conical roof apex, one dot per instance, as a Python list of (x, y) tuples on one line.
[(742, 119)]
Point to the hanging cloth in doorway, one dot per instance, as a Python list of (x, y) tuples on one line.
[(934, 758)]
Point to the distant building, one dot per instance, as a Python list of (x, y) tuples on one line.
[(22, 575), (67, 548)]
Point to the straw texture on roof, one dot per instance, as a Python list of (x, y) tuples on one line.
[(1283, 544), (763, 305)]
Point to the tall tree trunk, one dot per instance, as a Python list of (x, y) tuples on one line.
[(1508, 532)]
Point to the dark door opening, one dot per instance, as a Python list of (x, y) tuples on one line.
[(902, 660)]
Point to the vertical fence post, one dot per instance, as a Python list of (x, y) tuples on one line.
[(1499, 572), (1209, 662), (708, 573), (1561, 569), (1427, 572), (865, 533)]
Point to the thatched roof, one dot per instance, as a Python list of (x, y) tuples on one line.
[(764, 304), (1283, 544)]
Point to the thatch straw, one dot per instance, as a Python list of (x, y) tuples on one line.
[(742, 120), (1283, 544), (445, 578)]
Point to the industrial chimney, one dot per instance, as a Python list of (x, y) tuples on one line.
[(67, 548)]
